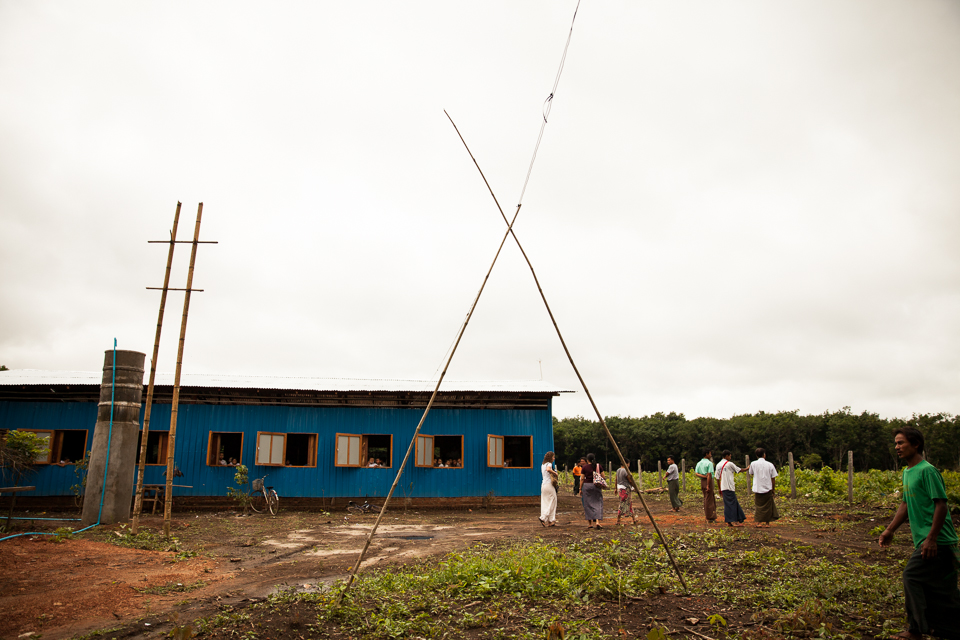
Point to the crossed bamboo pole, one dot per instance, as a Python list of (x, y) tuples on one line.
[(570, 358), (433, 396)]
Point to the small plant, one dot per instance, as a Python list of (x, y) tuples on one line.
[(80, 471), (240, 493), (62, 534)]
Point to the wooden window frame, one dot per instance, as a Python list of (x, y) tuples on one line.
[(55, 444), (530, 465), (441, 435), (215, 457), (417, 457), (490, 440), (312, 441), (164, 444), (363, 452), (503, 452), (283, 454), (336, 450)]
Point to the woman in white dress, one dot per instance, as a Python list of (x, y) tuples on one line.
[(548, 492)]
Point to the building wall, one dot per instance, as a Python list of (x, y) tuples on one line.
[(196, 421)]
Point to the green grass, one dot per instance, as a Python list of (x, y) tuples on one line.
[(793, 587), (171, 587)]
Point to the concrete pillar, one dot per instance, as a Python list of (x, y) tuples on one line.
[(118, 491)]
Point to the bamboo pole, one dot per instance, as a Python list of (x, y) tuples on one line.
[(793, 476), (683, 472), (138, 500), (433, 396), (172, 438), (573, 364), (850, 476)]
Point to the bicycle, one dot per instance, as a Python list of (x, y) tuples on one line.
[(264, 497), (363, 509)]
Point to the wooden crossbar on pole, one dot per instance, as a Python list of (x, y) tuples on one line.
[(570, 358), (138, 500)]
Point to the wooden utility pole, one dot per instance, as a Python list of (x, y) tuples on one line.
[(138, 499), (172, 438), (793, 476), (850, 476)]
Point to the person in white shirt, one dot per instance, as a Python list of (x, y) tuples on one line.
[(673, 484), (725, 474), (764, 487), (548, 491)]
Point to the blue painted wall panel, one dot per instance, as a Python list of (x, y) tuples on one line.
[(195, 422)]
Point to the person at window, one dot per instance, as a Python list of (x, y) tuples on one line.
[(590, 494), (437, 462), (508, 462), (459, 463), (726, 474), (233, 462), (930, 577), (450, 464), (223, 461), (372, 463), (548, 491), (379, 462), (704, 471), (673, 484)]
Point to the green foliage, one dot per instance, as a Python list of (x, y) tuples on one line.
[(144, 539), (19, 450), (811, 461), (80, 469), (829, 435), (240, 493), (171, 587), (61, 534)]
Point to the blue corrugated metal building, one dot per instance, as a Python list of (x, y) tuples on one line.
[(311, 437)]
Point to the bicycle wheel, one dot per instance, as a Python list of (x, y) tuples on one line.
[(374, 509), (273, 502), (355, 509), (258, 502)]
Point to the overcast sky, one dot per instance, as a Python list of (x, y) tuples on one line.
[(737, 206)]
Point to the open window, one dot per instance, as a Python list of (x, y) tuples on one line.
[(368, 450), (515, 452), (444, 452), (63, 445), (156, 447), (224, 449), (286, 449), (301, 450)]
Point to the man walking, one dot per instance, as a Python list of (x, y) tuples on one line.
[(726, 474), (930, 577), (704, 471), (764, 487), (673, 484), (577, 473)]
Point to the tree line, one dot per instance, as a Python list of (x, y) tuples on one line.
[(822, 438)]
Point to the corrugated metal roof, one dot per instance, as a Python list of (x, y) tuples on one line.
[(293, 383)]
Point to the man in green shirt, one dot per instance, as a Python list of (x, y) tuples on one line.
[(930, 577), (704, 471)]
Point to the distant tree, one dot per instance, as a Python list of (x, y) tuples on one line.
[(3, 367)]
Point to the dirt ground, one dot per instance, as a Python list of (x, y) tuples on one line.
[(81, 585)]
